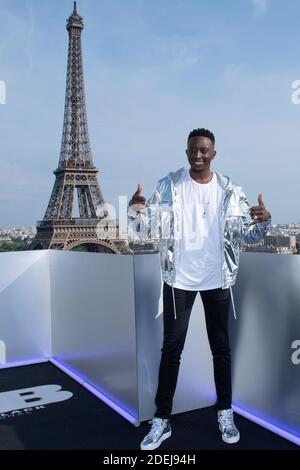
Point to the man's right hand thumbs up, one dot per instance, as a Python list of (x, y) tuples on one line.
[(137, 198)]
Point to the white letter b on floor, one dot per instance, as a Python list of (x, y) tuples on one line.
[(33, 396)]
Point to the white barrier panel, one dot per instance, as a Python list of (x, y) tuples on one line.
[(266, 379), (195, 387), (25, 333), (93, 322)]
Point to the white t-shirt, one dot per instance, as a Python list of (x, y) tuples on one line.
[(199, 264)]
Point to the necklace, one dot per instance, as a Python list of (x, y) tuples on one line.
[(204, 203)]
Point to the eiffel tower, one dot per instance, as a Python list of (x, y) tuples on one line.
[(76, 174)]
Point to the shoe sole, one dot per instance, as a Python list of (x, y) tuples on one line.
[(157, 444), (232, 440)]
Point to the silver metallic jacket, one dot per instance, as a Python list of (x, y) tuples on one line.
[(161, 221)]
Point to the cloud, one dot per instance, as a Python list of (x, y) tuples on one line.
[(260, 6), (185, 55), (145, 92)]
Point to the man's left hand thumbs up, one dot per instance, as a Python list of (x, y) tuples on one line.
[(259, 213)]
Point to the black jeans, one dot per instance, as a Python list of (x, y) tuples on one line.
[(216, 304)]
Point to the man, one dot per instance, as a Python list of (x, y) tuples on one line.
[(199, 218)]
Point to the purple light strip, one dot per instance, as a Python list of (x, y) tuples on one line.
[(271, 427), (95, 392), (23, 363)]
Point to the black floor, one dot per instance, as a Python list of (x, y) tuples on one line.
[(84, 422)]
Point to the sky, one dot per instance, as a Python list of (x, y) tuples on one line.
[(154, 70)]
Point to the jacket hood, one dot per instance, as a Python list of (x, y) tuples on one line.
[(224, 181)]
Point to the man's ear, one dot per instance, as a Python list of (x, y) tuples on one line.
[(215, 153)]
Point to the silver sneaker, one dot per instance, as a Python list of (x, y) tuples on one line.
[(230, 433), (160, 430)]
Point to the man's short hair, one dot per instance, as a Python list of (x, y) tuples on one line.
[(202, 133)]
